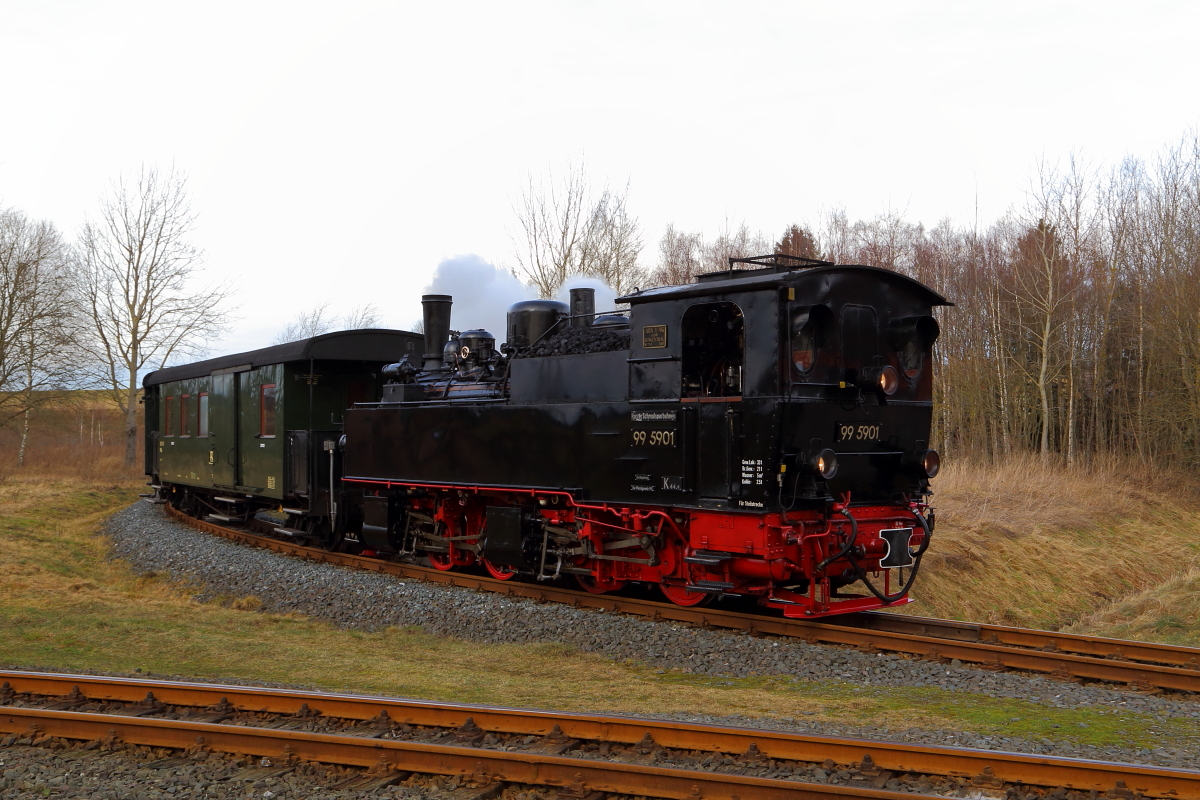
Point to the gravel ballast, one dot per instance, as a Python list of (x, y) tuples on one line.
[(349, 598), (140, 774)]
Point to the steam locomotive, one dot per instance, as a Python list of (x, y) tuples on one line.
[(761, 432)]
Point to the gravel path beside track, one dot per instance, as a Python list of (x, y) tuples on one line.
[(348, 598)]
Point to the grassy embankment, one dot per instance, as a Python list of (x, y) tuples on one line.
[(1102, 552), (64, 606)]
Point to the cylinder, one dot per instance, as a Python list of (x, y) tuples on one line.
[(529, 320), (436, 310), (583, 307)]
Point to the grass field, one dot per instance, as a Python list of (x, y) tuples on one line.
[(1098, 551), (64, 606)]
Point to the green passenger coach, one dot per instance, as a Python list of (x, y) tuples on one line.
[(263, 424)]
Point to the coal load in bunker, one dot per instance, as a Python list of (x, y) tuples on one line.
[(762, 432)]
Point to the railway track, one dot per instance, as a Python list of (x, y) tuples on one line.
[(1138, 665), (582, 756)]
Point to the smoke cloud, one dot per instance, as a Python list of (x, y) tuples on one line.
[(483, 292)]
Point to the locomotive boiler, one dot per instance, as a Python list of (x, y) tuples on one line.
[(762, 432)]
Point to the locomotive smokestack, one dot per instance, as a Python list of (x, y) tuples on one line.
[(436, 308), (583, 307)]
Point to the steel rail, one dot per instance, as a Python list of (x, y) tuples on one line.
[(1064, 656), (893, 756), (1078, 644), (580, 776)]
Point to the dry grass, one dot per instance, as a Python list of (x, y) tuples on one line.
[(63, 606), (1168, 612), (1030, 544)]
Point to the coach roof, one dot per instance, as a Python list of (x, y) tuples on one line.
[(371, 344)]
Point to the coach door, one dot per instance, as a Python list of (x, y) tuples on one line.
[(223, 457)]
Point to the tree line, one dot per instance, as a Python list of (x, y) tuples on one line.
[(1075, 333)]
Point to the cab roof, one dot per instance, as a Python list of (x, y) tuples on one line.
[(773, 276)]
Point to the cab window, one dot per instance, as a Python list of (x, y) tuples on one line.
[(808, 333), (804, 344), (913, 338)]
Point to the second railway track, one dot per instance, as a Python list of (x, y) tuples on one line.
[(580, 754), (1139, 665)]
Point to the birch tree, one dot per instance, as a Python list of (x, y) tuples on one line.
[(138, 285), (37, 351)]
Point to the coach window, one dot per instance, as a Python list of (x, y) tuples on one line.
[(266, 406), (713, 346), (187, 419), (202, 415), (169, 417)]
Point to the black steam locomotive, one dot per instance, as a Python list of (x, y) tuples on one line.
[(761, 432)]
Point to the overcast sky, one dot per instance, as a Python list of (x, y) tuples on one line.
[(339, 152)]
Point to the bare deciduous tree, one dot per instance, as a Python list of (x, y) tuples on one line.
[(318, 320), (37, 343), (566, 230), (553, 230), (137, 286), (734, 243), (614, 243), (680, 258), (364, 316)]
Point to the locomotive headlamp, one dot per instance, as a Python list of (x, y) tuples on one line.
[(931, 462), (822, 463), (926, 463), (880, 379)]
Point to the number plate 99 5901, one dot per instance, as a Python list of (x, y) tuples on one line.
[(653, 438), (858, 432)]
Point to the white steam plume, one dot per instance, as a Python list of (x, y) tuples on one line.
[(483, 292)]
